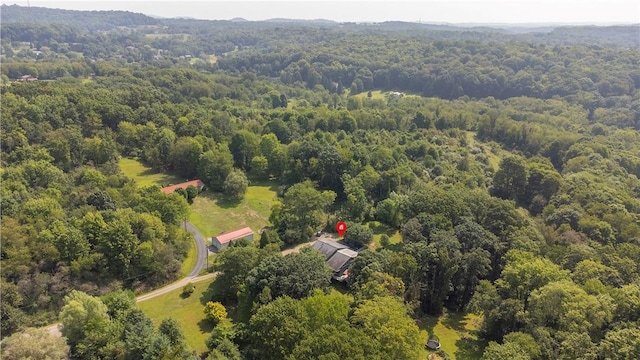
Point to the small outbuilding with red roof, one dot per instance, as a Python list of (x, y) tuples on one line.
[(198, 184), (223, 240)]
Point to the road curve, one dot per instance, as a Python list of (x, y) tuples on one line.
[(201, 247), (201, 261), (193, 277)]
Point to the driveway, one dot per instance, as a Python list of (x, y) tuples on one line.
[(201, 247), (193, 277), (201, 262)]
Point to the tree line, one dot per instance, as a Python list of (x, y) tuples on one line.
[(520, 205)]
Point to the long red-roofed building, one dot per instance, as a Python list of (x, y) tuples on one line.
[(198, 184), (223, 240)]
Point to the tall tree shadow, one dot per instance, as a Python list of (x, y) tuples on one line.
[(427, 323), (205, 325), (215, 292), (226, 202), (455, 321), (469, 348)]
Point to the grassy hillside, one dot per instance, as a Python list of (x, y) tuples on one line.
[(187, 311), (144, 175), (213, 213)]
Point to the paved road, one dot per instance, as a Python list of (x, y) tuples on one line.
[(191, 278), (55, 328), (176, 285), (201, 247), (201, 262), (297, 248)]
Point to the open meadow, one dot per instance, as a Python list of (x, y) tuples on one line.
[(146, 176), (213, 213), (457, 333), (187, 311)]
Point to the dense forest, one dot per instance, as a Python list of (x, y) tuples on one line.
[(509, 162)]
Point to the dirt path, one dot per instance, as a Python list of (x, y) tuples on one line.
[(296, 248)]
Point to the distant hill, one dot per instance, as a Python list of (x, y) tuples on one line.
[(14, 18), (623, 35), (84, 20), (300, 21)]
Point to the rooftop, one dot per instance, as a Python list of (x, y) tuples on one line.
[(328, 247), (234, 235), (341, 259), (171, 188)]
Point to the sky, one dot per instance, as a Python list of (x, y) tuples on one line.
[(428, 11)]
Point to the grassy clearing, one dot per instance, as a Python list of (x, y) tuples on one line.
[(457, 333), (375, 94), (145, 176), (187, 311), (379, 229), (213, 213), (190, 261), (379, 94)]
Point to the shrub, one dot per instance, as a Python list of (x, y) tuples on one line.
[(188, 289), (215, 312)]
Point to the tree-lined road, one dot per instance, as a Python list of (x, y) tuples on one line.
[(202, 253), (201, 261)]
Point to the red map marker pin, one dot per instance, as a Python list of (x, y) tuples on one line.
[(341, 227)]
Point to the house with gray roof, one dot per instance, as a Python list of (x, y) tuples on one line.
[(338, 257)]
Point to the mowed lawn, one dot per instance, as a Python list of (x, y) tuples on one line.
[(144, 175), (457, 333), (190, 262), (378, 230), (213, 213), (187, 311)]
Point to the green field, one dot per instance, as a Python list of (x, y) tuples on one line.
[(378, 229), (144, 175), (187, 311), (457, 334), (378, 94), (213, 213), (375, 94)]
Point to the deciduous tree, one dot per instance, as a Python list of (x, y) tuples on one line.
[(34, 344), (215, 312), (235, 185)]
